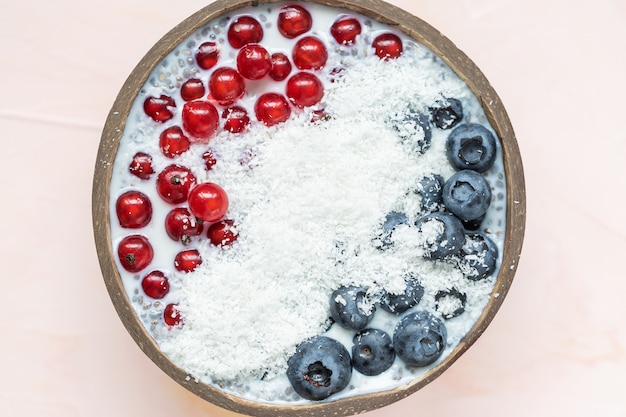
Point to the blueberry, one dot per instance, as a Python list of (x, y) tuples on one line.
[(473, 224), (372, 352), (431, 190), (450, 303), (419, 338), (479, 256), (413, 128), (319, 368), (350, 307), (442, 234), (471, 146), (447, 113), (392, 220), (467, 195), (399, 303)]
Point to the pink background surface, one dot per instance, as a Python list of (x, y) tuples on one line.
[(557, 346)]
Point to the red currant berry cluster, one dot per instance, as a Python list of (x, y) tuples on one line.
[(175, 184), (255, 61)]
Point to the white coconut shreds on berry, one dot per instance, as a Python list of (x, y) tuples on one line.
[(308, 200)]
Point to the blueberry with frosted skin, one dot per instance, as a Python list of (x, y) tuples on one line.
[(393, 219), (431, 190), (447, 113), (320, 367), (467, 195), (351, 308), (413, 128), (471, 146), (372, 352), (478, 256), (450, 303), (399, 303), (442, 234), (474, 224), (420, 338)]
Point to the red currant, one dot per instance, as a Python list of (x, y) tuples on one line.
[(200, 119), (309, 53), (173, 142), (135, 253), (226, 85), (222, 233), (209, 160), (155, 285), (272, 108), (244, 30), (208, 201), (387, 46), (187, 260), (181, 225), (253, 61), (141, 166), (281, 67), (304, 89), (293, 21), (134, 209), (346, 29), (158, 108), (237, 119), (192, 89), (207, 55), (171, 315), (174, 183)]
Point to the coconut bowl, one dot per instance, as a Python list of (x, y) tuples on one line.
[(117, 122)]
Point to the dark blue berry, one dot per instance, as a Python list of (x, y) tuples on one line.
[(420, 338), (319, 368), (442, 234), (392, 220), (473, 224), (399, 303), (351, 308), (447, 113), (467, 195), (450, 303), (471, 146), (413, 128), (431, 190), (372, 352), (478, 256)]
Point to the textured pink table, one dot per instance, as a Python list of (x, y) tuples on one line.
[(558, 345)]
